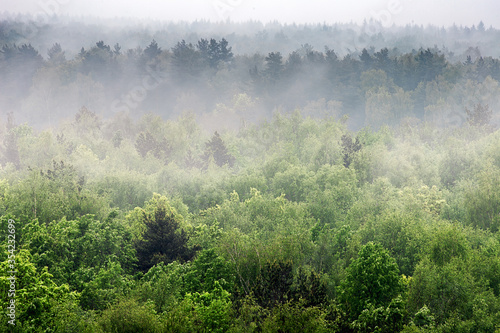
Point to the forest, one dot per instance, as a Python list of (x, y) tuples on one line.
[(185, 183)]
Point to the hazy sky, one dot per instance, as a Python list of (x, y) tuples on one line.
[(441, 13)]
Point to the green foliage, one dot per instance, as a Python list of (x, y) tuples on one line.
[(70, 317), (129, 316), (105, 287), (249, 317), (373, 278), (216, 149), (146, 143), (424, 318), (206, 270), (310, 288), (53, 194), (163, 285), (381, 319), (349, 148), (273, 285), (163, 239), (36, 293), (11, 153), (181, 318), (335, 193), (402, 234), (212, 308), (448, 243), (295, 317), (75, 251), (294, 183), (457, 163), (445, 289), (125, 190), (289, 224), (482, 199)]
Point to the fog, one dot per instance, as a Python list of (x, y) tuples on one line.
[(250, 166), (52, 68), (236, 62), (399, 12)]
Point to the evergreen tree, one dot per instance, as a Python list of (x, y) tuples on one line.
[(366, 59), (56, 55), (274, 66), (152, 51), (216, 149), (186, 60), (163, 241)]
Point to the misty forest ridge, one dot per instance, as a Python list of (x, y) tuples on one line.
[(248, 177)]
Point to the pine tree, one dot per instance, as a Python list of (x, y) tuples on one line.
[(216, 150), (163, 241)]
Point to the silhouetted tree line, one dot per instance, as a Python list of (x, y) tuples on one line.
[(210, 69)]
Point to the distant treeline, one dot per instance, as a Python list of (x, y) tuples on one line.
[(372, 86)]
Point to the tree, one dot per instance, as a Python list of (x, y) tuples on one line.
[(17, 67), (310, 288), (164, 240), (207, 269), (382, 319), (373, 278), (448, 243), (216, 149), (11, 154), (146, 143), (185, 60), (479, 116), (54, 193), (214, 52), (366, 59), (213, 308), (349, 148), (117, 49), (274, 66), (382, 60), (87, 121), (482, 200), (152, 51), (429, 65), (36, 294), (225, 53), (295, 317), (274, 284), (100, 62), (447, 290), (128, 316), (56, 55)]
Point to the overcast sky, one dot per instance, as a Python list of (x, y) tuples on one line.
[(400, 12)]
